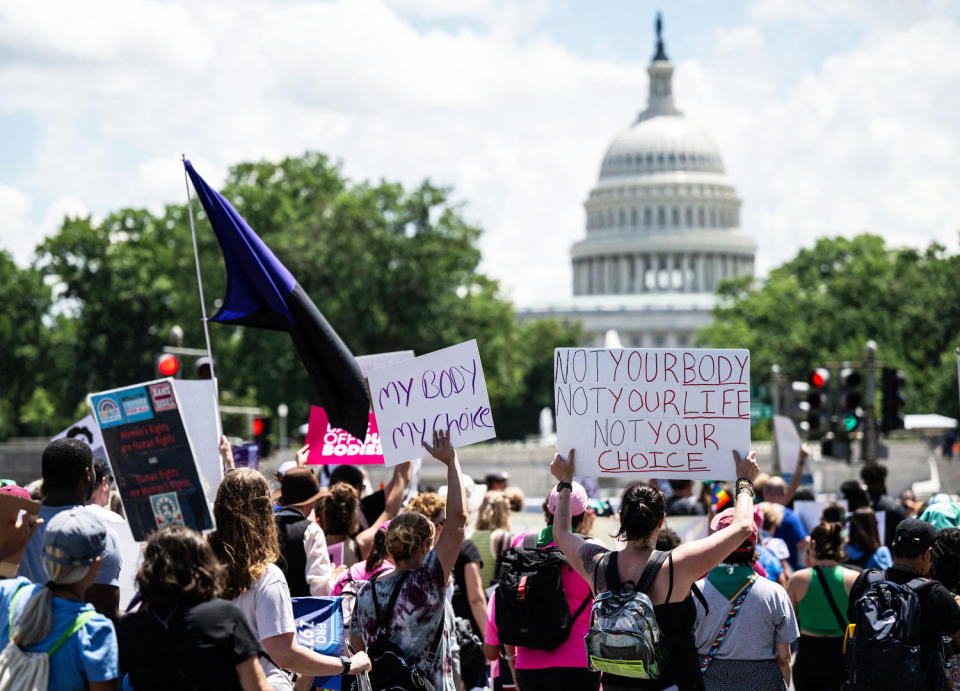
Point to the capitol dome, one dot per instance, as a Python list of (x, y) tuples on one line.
[(662, 230)]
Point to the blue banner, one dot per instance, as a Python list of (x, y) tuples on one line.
[(320, 628)]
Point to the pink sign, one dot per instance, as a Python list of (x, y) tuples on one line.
[(331, 446)]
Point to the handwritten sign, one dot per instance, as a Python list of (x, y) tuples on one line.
[(435, 391), (152, 457), (788, 448), (333, 446), (659, 413)]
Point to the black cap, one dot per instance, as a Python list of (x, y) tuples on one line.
[(101, 469), (913, 538)]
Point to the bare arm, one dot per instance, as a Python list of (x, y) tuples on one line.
[(693, 559), (356, 643), (491, 652), (783, 661), (475, 595), (448, 545), (797, 475), (287, 653), (226, 454), (250, 675), (581, 554), (395, 491)]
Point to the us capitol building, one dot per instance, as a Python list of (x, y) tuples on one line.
[(663, 229)]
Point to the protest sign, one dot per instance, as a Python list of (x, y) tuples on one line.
[(655, 413), (369, 363), (152, 457), (196, 397), (331, 446), (439, 390), (85, 430), (10, 514), (788, 448), (246, 455)]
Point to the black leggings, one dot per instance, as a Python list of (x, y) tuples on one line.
[(819, 665), (558, 679)]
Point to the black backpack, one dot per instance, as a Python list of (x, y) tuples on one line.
[(291, 527), (884, 650), (390, 670), (532, 607)]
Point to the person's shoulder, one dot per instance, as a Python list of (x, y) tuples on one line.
[(217, 606), (9, 586), (469, 550)]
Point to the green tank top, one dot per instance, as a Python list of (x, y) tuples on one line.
[(814, 614), (481, 538)]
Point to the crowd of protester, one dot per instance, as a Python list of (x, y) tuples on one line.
[(440, 590)]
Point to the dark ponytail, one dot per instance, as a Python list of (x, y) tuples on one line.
[(641, 509), (827, 539)]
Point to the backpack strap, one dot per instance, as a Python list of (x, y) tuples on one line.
[(697, 593), (13, 605), (382, 617), (530, 540), (833, 603), (651, 570), (435, 645), (611, 571), (77, 624), (735, 606)]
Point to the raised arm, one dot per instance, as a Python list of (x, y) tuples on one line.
[(395, 491), (448, 545), (693, 559), (797, 475), (581, 554)]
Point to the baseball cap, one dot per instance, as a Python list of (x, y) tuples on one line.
[(15, 491), (79, 534), (298, 486), (914, 536), (578, 499), (725, 518), (286, 466)]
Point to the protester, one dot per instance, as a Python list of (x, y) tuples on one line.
[(946, 570), (303, 547), (942, 514), (491, 533), (184, 636), (748, 643), (99, 502), (855, 494), (875, 478), (564, 666), (377, 562), (406, 608), (52, 619), (909, 502), (864, 549), (939, 612), (834, 512), (68, 476), (667, 540), (820, 595), (497, 480), (431, 505), (370, 504), (516, 497), (642, 512), (772, 518), (245, 541), (683, 501)]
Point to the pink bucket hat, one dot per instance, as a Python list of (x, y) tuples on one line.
[(725, 518), (578, 500)]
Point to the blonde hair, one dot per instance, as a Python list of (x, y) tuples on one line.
[(772, 515), (428, 504), (245, 540), (494, 512), (407, 534), (36, 621), (515, 495)]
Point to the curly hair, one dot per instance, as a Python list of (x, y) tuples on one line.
[(245, 540), (407, 534), (338, 510), (179, 568), (641, 509), (428, 504), (494, 512)]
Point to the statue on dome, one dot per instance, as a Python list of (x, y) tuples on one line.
[(661, 54)]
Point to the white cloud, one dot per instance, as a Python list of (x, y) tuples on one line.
[(515, 121)]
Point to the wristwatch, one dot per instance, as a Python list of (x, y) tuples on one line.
[(345, 661), (563, 486)]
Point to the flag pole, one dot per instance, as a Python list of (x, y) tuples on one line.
[(203, 306)]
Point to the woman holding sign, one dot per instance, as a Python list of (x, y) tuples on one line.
[(642, 511)]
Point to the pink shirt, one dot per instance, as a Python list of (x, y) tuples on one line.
[(358, 572), (572, 652)]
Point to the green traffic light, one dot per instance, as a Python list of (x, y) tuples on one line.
[(850, 422)]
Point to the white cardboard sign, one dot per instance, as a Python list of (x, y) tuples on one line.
[(653, 413), (442, 389)]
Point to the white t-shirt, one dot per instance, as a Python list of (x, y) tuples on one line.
[(105, 514), (267, 608)]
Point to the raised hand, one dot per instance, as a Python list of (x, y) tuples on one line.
[(441, 449), (226, 453), (302, 455), (562, 469), (747, 468)]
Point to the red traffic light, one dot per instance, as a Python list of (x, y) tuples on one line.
[(257, 426), (168, 365), (819, 377)]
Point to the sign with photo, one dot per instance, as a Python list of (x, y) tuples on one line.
[(151, 456)]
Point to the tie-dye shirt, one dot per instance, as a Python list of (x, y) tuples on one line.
[(414, 620)]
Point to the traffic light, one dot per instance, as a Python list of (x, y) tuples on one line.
[(795, 405), (261, 434), (168, 365), (894, 399), (818, 396), (849, 401)]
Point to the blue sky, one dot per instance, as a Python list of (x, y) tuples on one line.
[(833, 116)]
